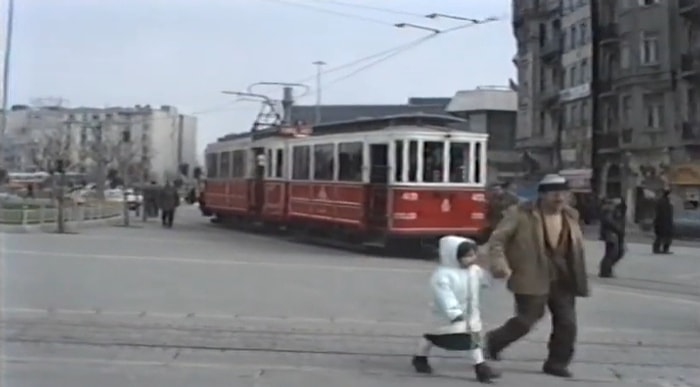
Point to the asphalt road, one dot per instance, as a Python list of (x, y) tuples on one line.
[(202, 305)]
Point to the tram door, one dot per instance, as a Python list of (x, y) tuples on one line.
[(378, 186), (257, 189)]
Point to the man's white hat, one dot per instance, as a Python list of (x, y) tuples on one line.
[(553, 182)]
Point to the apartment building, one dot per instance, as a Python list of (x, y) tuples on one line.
[(646, 83), (540, 34), (161, 142), (648, 93)]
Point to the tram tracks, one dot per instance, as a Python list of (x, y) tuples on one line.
[(331, 341)]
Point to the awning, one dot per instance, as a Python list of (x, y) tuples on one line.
[(685, 174)]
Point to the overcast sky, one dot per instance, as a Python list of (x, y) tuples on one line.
[(184, 52)]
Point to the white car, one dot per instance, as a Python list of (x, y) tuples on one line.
[(117, 195)]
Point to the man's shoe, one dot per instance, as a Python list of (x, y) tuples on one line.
[(421, 365), (558, 371), (486, 374)]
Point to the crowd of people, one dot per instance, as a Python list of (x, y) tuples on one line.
[(537, 247)]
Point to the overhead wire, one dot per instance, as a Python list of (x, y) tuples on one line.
[(369, 7), (331, 12), (388, 54)]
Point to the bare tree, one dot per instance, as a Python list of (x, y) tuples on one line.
[(49, 146)]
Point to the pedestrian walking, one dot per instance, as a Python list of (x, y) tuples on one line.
[(501, 198), (612, 230), (538, 246), (663, 224), (456, 311), (168, 202)]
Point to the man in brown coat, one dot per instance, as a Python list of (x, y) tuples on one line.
[(538, 246)]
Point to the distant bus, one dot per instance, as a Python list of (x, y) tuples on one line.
[(24, 179)]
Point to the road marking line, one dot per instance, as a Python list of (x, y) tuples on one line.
[(36, 312), (218, 262), (18, 360)]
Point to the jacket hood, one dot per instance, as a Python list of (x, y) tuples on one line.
[(448, 249)]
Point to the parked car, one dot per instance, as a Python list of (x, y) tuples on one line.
[(118, 195), (687, 225)]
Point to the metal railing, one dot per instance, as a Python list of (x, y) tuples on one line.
[(29, 214)]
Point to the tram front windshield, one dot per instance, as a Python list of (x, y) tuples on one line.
[(430, 163)]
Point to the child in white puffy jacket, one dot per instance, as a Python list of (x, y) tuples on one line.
[(455, 286)]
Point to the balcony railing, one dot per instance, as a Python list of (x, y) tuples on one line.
[(608, 33), (689, 8), (552, 47), (607, 141)]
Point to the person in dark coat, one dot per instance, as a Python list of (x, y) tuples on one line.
[(500, 200), (612, 230), (663, 224), (168, 201)]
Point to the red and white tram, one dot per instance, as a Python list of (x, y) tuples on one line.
[(382, 181)]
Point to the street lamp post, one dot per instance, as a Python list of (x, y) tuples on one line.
[(319, 70), (6, 75)]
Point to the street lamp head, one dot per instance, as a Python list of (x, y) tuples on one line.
[(432, 16), (400, 25)]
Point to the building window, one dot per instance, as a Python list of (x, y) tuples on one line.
[(585, 113), (583, 33), (626, 106), (654, 111), (625, 56), (574, 115), (645, 3), (649, 50), (350, 161), (324, 162), (583, 71), (301, 162), (541, 127), (572, 37), (572, 75)]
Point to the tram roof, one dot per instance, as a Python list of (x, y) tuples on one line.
[(365, 124)]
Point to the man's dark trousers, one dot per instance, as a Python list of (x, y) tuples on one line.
[(167, 216), (561, 303)]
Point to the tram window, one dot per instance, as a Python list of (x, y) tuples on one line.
[(269, 161), (460, 159), (350, 161), (239, 163), (323, 162), (212, 165), (433, 152), (225, 164), (279, 165), (413, 161), (301, 160), (398, 158), (477, 163)]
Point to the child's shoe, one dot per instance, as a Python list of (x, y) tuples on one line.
[(421, 365), (486, 374)]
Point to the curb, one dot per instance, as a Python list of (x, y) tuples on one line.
[(51, 227)]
